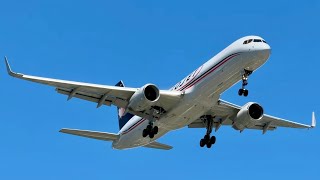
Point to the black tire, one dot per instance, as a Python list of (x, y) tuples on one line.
[(145, 133), (155, 130), (202, 143), (245, 93), (240, 92), (213, 140), (209, 145), (207, 138), (151, 135)]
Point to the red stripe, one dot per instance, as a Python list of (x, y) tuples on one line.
[(211, 71), (132, 127), (191, 79)]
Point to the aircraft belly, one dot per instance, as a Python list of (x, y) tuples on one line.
[(134, 138)]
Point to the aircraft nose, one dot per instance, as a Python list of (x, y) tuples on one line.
[(265, 51)]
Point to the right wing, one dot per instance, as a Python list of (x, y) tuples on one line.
[(100, 94)]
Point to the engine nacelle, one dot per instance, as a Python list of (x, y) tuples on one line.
[(248, 115), (145, 97)]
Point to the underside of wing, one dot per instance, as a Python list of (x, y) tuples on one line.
[(226, 113)]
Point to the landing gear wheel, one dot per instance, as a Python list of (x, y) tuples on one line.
[(245, 92), (240, 92), (202, 143), (207, 138), (145, 133), (151, 135), (151, 131), (213, 140), (155, 130), (209, 145), (149, 127)]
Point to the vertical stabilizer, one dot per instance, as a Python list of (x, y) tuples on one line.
[(123, 117)]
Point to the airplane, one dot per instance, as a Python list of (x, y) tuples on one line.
[(145, 114)]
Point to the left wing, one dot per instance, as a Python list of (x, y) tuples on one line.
[(100, 94), (225, 113)]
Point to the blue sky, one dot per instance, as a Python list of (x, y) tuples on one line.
[(159, 42)]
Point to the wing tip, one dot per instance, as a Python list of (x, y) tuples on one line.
[(8, 65), (63, 130), (9, 70), (313, 122)]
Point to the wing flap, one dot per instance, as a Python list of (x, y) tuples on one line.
[(91, 134)]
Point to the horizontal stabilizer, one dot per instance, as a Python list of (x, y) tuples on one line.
[(157, 145), (91, 134)]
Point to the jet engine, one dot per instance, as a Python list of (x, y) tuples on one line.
[(143, 98), (248, 115)]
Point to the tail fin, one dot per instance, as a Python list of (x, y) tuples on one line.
[(123, 118)]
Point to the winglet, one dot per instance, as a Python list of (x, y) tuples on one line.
[(313, 123), (10, 72)]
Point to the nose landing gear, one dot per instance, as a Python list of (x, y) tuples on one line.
[(243, 91), (207, 140)]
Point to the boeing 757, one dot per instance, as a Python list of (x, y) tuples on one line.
[(145, 114)]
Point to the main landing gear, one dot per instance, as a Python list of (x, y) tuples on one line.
[(243, 91), (150, 130), (207, 140), (155, 113)]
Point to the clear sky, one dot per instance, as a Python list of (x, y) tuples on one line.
[(158, 42)]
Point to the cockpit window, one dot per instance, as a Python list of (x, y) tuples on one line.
[(254, 40), (247, 41)]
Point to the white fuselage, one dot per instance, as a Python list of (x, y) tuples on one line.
[(202, 89)]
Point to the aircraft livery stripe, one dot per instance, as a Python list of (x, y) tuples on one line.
[(134, 126), (215, 67), (192, 83), (193, 80)]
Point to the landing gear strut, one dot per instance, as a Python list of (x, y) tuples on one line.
[(207, 140), (243, 91), (150, 130)]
